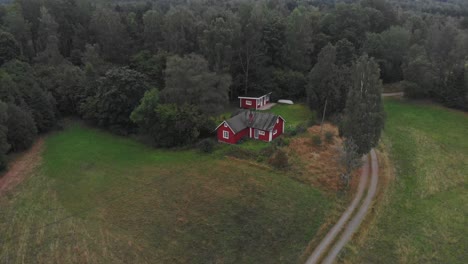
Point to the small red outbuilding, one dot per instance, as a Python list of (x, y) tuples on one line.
[(256, 125), (257, 102)]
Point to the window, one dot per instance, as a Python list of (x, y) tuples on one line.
[(248, 102), (262, 133), (225, 134), (277, 121), (274, 132)]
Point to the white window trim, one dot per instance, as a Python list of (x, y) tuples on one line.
[(225, 125), (248, 102), (261, 133), (277, 121), (226, 134), (275, 132)]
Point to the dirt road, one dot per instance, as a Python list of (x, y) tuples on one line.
[(349, 228), (21, 167), (333, 233)]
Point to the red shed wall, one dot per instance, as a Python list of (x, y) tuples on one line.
[(233, 138), (279, 128), (265, 137), (244, 103)]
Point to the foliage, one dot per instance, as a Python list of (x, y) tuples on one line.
[(327, 83), (118, 93), (424, 141), (189, 81), (329, 137), (168, 124), (27, 94), (9, 47), (4, 146), (279, 159), (316, 140), (21, 130), (118, 181), (206, 145), (349, 159), (363, 118)]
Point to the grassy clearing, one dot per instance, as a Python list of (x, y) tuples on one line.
[(100, 198), (423, 218), (294, 114)]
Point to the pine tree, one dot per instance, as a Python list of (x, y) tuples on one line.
[(364, 116)]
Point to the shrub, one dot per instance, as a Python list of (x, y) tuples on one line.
[(21, 128), (413, 90), (329, 137), (281, 142), (267, 151), (301, 128), (312, 120), (206, 145), (316, 140), (279, 160)]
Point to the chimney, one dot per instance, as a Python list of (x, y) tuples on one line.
[(251, 117)]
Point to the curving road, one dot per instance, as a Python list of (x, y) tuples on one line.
[(355, 222), (333, 233)]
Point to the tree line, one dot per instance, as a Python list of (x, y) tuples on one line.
[(165, 68)]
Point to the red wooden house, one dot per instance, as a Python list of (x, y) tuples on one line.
[(256, 125), (254, 102)]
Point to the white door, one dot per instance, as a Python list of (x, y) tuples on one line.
[(256, 133)]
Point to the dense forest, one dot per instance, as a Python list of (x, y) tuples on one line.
[(164, 68)]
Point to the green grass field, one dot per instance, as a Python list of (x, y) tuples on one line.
[(100, 198), (424, 215), (293, 114)]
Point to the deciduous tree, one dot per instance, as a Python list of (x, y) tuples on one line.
[(363, 118)]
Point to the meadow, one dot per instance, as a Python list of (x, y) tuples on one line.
[(101, 198), (423, 215)]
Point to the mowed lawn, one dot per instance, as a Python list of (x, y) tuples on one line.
[(424, 215), (100, 198)]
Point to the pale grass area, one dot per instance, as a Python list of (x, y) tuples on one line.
[(43, 231), (438, 169)]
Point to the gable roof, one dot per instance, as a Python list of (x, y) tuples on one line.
[(237, 123), (253, 96), (258, 120)]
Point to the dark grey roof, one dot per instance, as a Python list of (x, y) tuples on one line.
[(258, 120), (237, 123), (255, 94)]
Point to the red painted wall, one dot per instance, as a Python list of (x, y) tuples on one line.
[(279, 127), (233, 138), (244, 103), (265, 137)]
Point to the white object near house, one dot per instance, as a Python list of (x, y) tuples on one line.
[(283, 101)]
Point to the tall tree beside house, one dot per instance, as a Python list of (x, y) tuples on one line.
[(326, 83), (217, 41), (363, 118), (118, 93), (4, 146), (299, 37), (248, 52), (189, 81), (180, 31), (169, 125)]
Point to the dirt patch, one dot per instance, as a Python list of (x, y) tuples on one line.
[(319, 164), (21, 167)]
